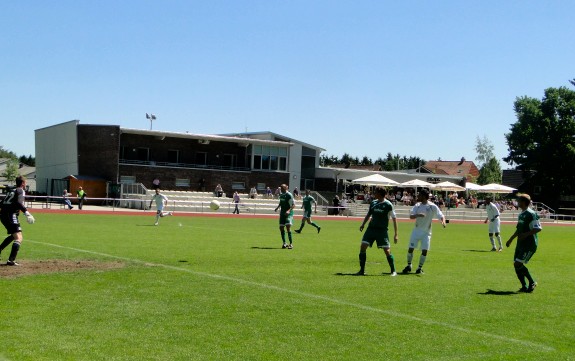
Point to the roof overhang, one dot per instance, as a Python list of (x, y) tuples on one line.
[(206, 137)]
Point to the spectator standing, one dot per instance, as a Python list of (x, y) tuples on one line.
[(81, 197), (236, 203), (336, 204), (202, 184)]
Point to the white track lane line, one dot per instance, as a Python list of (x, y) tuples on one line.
[(326, 299)]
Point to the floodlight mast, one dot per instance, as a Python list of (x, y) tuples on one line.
[(151, 117)]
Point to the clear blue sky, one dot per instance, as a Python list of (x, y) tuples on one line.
[(364, 77)]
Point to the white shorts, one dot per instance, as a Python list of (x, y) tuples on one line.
[(495, 226), (417, 236)]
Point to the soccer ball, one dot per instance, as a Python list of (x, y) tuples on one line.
[(215, 205)]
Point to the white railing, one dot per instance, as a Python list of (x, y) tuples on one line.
[(203, 206)]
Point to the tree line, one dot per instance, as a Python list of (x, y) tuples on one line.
[(388, 163)]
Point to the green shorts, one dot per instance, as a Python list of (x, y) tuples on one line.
[(307, 214), (524, 252), (376, 235), (286, 220)]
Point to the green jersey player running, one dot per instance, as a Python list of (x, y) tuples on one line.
[(528, 226), (379, 212), (286, 207), (307, 201)]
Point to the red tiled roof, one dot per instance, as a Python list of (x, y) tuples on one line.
[(466, 169)]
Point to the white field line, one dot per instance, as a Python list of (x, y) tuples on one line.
[(308, 295)]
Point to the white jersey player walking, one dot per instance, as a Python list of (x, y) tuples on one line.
[(423, 213), (161, 202), (494, 223)]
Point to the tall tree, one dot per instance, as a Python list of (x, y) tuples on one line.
[(485, 150), (543, 140), (490, 172)]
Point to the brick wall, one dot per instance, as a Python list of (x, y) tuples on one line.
[(98, 149), (167, 177)]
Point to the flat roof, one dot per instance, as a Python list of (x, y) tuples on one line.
[(210, 137)]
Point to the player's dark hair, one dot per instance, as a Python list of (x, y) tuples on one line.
[(20, 180), (381, 191), (490, 199), (424, 193), (524, 197)]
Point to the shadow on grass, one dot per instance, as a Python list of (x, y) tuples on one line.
[(490, 292), (265, 248), (365, 275), (477, 250), (145, 225)]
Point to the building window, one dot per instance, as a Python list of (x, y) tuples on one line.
[(173, 156), (270, 158), (201, 158), (143, 154), (283, 164), (265, 162), (238, 186), (127, 179), (182, 182), (274, 162), (230, 160), (257, 162)]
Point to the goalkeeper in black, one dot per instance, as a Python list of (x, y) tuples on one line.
[(12, 205)]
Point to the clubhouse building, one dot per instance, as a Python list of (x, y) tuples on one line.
[(111, 154)]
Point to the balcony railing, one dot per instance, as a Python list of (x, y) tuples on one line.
[(183, 165)]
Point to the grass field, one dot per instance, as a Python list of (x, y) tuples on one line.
[(221, 289)]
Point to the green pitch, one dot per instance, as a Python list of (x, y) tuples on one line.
[(222, 289)]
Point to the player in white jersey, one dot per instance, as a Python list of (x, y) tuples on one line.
[(423, 213), (161, 202), (494, 223)]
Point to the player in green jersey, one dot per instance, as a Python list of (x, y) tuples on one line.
[(286, 207), (307, 201), (380, 210), (528, 226)]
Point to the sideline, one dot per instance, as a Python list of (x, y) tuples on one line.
[(308, 295)]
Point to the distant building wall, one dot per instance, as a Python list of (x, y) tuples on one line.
[(56, 153), (98, 151)]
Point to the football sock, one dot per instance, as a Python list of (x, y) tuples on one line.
[(6, 242), (14, 252), (422, 260), (409, 258), (157, 218), (520, 275), (314, 224), (362, 260), (391, 262), (492, 241), (283, 233), (302, 225), (500, 242), (528, 275), (289, 237)]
